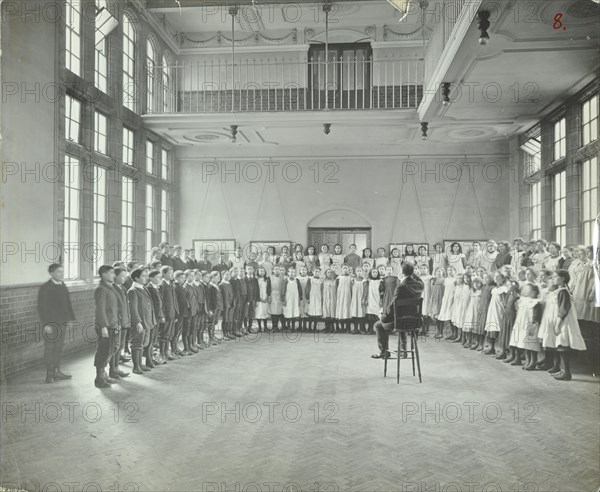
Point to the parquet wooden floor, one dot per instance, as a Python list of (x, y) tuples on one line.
[(313, 415)]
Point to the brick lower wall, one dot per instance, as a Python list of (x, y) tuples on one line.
[(21, 343)]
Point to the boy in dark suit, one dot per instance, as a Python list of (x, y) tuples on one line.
[(189, 322), (165, 258), (251, 296), (223, 265), (204, 264), (197, 339), (184, 312), (152, 287), (212, 298), (55, 311), (142, 318), (178, 262), (124, 322), (170, 310), (107, 324), (238, 302)]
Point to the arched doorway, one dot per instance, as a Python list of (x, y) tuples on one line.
[(341, 226)]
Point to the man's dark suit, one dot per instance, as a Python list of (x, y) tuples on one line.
[(107, 316), (55, 310), (410, 288)]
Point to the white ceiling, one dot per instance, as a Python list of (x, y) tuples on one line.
[(281, 17), (525, 54)]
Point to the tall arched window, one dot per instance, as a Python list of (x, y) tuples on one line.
[(129, 87), (167, 80), (150, 78), (73, 36)]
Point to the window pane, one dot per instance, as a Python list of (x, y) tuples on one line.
[(73, 34), (129, 88), (149, 157)]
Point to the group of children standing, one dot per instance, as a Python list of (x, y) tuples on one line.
[(503, 301), (532, 314)]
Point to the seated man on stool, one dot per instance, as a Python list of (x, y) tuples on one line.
[(410, 287)]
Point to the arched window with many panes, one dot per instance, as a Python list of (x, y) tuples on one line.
[(167, 80), (129, 79), (150, 76)]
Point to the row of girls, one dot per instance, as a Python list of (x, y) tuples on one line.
[(530, 317), (350, 302)]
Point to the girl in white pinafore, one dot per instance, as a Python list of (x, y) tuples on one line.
[(357, 310), (524, 334), (372, 299), (464, 304), (329, 299), (456, 308), (472, 313), (496, 312), (303, 279), (275, 306), (315, 299), (292, 297), (426, 278), (559, 328), (343, 300), (448, 299)]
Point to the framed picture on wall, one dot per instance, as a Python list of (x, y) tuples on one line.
[(402, 248), (215, 247), (465, 244), (259, 247)]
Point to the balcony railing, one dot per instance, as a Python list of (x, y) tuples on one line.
[(211, 86)]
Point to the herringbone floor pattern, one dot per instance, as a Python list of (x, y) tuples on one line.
[(311, 415)]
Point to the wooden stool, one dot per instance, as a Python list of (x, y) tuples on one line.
[(409, 326)]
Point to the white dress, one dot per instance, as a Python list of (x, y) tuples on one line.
[(426, 291), (447, 300), (276, 307), (524, 334), (315, 306), (268, 266), (370, 261), (457, 304), (495, 313), (338, 260), (344, 297), (303, 303), (551, 262), (471, 315), (438, 260), (464, 304), (356, 306), (292, 300), (329, 301), (381, 261), (324, 261), (456, 261), (567, 334), (262, 307), (373, 298), (396, 264)]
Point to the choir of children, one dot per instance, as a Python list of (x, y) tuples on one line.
[(532, 308)]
